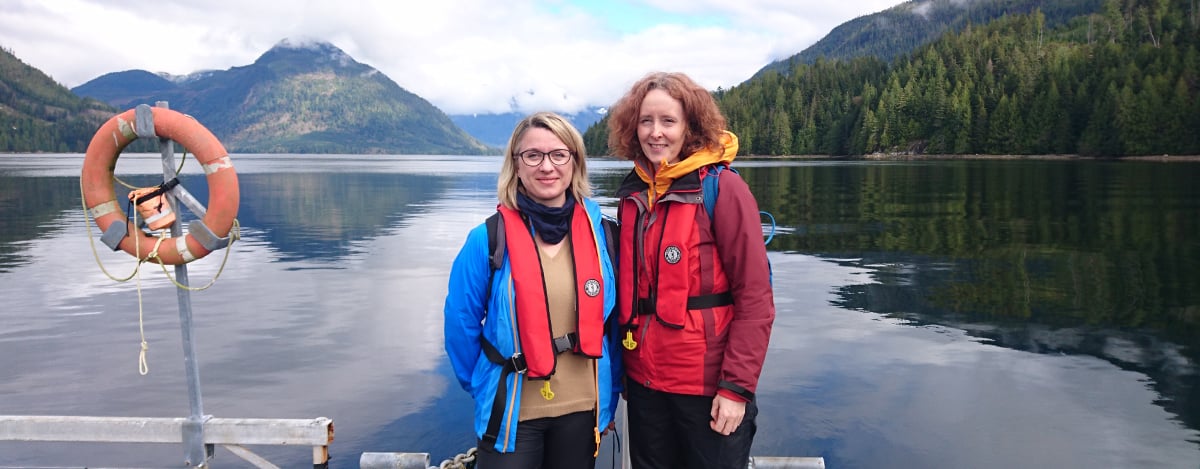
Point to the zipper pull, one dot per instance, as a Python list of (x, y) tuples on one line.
[(596, 430), (547, 394)]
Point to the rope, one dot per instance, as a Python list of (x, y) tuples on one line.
[(143, 365), (178, 170), (87, 221), (234, 234), (461, 461)]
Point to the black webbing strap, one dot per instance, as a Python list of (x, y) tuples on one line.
[(646, 306), (160, 190), (711, 300), (507, 366)]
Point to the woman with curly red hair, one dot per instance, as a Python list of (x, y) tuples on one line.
[(694, 291)]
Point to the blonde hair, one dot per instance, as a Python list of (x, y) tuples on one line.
[(506, 186)]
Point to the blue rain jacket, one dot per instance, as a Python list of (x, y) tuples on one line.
[(466, 321)]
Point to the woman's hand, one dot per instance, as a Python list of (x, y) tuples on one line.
[(612, 425), (726, 415)]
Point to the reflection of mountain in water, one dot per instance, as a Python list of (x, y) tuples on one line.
[(301, 215), (322, 215)]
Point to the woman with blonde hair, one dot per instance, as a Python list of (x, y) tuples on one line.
[(529, 296)]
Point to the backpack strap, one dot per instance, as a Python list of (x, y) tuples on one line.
[(495, 234), (495, 231), (612, 234), (711, 188)]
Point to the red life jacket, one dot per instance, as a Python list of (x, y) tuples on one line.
[(532, 310), (673, 271), (673, 297)]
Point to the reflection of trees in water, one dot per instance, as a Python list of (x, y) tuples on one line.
[(1060, 243), (1020, 306), (1092, 258), (30, 208)]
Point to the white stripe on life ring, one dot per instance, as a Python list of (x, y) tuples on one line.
[(182, 249), (220, 163), (126, 128), (104, 208)]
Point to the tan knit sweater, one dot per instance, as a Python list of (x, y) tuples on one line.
[(574, 381)]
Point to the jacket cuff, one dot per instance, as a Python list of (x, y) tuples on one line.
[(733, 391)]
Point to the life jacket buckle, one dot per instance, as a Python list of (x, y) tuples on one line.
[(518, 363), (565, 343)]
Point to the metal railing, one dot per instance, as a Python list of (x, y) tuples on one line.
[(229, 433)]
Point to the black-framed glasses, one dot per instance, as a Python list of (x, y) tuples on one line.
[(534, 158)]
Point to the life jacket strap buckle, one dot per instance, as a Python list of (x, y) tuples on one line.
[(566, 343), (517, 361)]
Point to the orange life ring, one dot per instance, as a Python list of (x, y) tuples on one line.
[(101, 200)]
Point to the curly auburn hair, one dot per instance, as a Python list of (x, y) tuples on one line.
[(704, 120)]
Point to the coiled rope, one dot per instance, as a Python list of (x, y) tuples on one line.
[(234, 234)]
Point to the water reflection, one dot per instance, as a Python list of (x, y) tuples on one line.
[(987, 314), (1083, 256), (877, 390)]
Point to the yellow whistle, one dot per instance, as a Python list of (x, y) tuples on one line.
[(629, 343), (547, 394)]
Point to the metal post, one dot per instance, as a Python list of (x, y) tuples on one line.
[(196, 452), (393, 461), (763, 462), (623, 412)]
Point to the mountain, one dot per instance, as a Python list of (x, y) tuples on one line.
[(495, 129), (38, 114), (899, 30), (122, 88), (297, 98)]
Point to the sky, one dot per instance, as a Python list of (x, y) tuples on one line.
[(463, 56)]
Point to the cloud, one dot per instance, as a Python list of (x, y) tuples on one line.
[(464, 56)]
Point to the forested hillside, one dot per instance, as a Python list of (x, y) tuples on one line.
[(895, 32), (38, 114), (1121, 81)]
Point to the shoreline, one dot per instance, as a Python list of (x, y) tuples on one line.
[(870, 157), (912, 157)]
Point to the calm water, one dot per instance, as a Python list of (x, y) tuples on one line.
[(930, 315)]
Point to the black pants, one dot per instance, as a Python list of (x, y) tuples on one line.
[(566, 442), (668, 431)]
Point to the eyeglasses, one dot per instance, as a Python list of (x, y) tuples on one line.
[(534, 158)]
